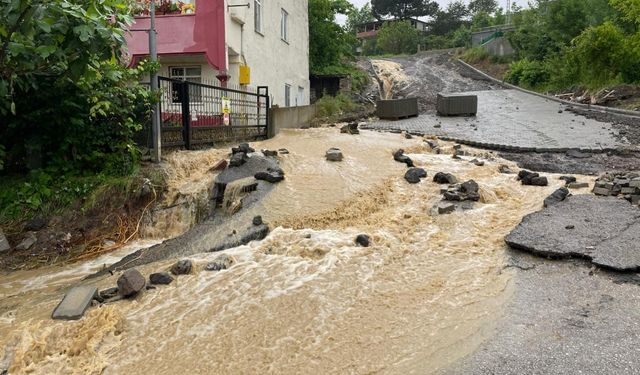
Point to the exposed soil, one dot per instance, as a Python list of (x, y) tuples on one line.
[(79, 232), (430, 73), (495, 70)]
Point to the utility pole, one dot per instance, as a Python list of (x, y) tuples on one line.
[(508, 12), (153, 54)]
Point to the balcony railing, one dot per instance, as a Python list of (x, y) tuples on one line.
[(165, 7)]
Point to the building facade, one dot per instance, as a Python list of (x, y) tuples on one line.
[(236, 42), (370, 30)]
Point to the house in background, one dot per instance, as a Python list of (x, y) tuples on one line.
[(243, 43), (370, 30)]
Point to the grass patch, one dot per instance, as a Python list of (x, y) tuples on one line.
[(331, 107)]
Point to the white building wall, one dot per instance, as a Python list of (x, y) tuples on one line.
[(273, 62)]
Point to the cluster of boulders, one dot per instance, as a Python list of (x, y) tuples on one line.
[(466, 191), (572, 183), (240, 154), (619, 184), (272, 175), (532, 179), (130, 284), (350, 128)]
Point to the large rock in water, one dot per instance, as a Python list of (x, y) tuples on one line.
[(130, 283), (75, 303), (182, 267), (222, 262), (414, 175), (400, 157), (604, 230), (445, 178)]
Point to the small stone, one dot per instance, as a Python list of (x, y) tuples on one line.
[(222, 262), (445, 208), (570, 227), (237, 159), (351, 128), (257, 220), (283, 151), (75, 303), (182, 267), (568, 179), (108, 293), (408, 136), (400, 157), (27, 242), (272, 176), (4, 243), (35, 224), (477, 162), (220, 165), (243, 148), (269, 153), (334, 154), (433, 144), (505, 170), (130, 283), (601, 191), (445, 178), (160, 278), (414, 175), (556, 197), (363, 240), (437, 126), (578, 185)]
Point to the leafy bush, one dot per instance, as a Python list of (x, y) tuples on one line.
[(527, 73), (475, 55), (330, 106)]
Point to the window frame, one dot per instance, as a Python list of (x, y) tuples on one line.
[(196, 95), (287, 95), (284, 25), (258, 11)]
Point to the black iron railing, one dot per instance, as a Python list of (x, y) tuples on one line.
[(193, 113)]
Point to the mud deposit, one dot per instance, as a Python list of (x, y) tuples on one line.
[(307, 299), (424, 76)]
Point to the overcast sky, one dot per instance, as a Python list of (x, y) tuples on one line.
[(443, 4)]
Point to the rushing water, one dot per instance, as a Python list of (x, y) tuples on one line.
[(305, 300)]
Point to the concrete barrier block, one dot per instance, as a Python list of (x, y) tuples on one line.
[(75, 303)]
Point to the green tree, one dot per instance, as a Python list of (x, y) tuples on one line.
[(483, 6), (358, 17), (398, 37), (67, 103), (329, 43), (630, 9), (451, 19), (402, 9)]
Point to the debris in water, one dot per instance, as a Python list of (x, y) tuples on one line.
[(363, 240), (445, 178), (75, 303), (414, 175), (334, 154), (556, 197), (160, 278), (400, 157), (130, 283), (222, 262), (532, 179), (182, 267)]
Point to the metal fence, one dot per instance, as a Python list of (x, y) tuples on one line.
[(194, 114)]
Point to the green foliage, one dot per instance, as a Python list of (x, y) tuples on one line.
[(527, 73), (629, 8), (398, 37), (357, 17), (329, 43), (449, 20), (483, 6), (69, 105), (475, 55), (402, 9), (461, 37), (330, 107)]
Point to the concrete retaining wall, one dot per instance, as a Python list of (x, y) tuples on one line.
[(291, 118)]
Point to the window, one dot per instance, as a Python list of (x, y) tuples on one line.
[(257, 15), (189, 74), (284, 32), (287, 95), (300, 98)]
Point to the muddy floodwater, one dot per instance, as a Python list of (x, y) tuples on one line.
[(306, 300)]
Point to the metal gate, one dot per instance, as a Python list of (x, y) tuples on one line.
[(194, 114)]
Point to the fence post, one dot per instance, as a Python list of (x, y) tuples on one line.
[(267, 105), (186, 115)]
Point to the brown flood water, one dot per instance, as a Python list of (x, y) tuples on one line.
[(305, 300)]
